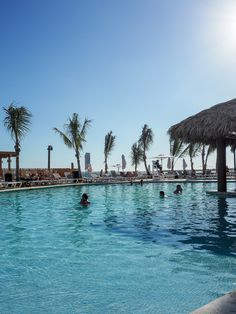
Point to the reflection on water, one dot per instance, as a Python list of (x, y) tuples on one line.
[(218, 235), (193, 220)]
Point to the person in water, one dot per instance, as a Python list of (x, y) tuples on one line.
[(178, 190), (84, 199), (162, 194)]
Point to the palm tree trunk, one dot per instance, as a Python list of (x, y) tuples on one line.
[(17, 168), (145, 163), (234, 161), (78, 164), (205, 163), (191, 162), (172, 164), (203, 160), (17, 150), (106, 166)]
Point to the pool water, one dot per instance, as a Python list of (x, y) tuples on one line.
[(128, 252)]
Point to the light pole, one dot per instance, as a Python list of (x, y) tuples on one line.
[(49, 153)]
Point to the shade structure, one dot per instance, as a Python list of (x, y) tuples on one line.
[(217, 126)]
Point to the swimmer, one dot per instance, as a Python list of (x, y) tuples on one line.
[(178, 190), (84, 199), (162, 194)]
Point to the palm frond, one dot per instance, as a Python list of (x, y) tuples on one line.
[(176, 147), (17, 121), (192, 149), (136, 154), (211, 148), (109, 143), (83, 132), (146, 137), (64, 137)]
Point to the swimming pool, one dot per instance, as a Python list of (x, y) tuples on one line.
[(128, 252)]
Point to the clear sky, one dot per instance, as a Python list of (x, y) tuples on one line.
[(121, 63)]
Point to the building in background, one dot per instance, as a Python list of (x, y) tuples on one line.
[(87, 162)]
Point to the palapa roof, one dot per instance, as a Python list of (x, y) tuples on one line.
[(207, 126)]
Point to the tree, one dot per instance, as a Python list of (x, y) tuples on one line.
[(176, 148), (145, 141), (74, 136), (109, 145), (233, 149), (136, 155), (192, 149), (17, 121), (206, 150)]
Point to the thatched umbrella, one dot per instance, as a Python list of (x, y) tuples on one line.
[(217, 126)]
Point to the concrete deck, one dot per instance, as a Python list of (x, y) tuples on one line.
[(60, 185), (223, 305), (128, 181)]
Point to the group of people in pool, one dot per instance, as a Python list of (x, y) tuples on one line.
[(178, 190), (84, 199)]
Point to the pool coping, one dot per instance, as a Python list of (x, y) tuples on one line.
[(112, 182), (224, 304), (60, 185)]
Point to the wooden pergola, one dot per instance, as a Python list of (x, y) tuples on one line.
[(7, 155)]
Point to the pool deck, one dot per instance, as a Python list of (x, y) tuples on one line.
[(223, 305), (58, 184)]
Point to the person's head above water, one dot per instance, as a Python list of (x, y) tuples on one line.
[(178, 189), (85, 196), (162, 194), (84, 199)]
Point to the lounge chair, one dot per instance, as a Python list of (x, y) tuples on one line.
[(57, 177)]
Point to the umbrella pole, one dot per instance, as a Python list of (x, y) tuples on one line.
[(221, 165)]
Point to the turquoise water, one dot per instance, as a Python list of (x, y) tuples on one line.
[(128, 252)]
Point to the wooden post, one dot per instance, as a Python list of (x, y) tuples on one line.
[(9, 163), (221, 165)]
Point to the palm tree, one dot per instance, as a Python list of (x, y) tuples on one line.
[(176, 148), (145, 141), (136, 155), (109, 145), (74, 136), (233, 149), (192, 150), (17, 121), (206, 151)]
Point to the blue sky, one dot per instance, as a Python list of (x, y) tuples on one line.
[(121, 63)]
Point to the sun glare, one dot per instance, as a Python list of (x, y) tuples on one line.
[(222, 27)]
